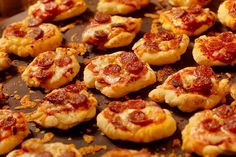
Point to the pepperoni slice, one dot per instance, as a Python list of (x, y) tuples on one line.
[(102, 18), (139, 118), (43, 75), (134, 67), (112, 69), (211, 125), (75, 88), (136, 104), (45, 63), (202, 85), (68, 154), (117, 106), (35, 33), (34, 22), (227, 36), (57, 97), (224, 111), (78, 100), (51, 7), (215, 45), (127, 57), (166, 36), (64, 61), (230, 124), (204, 71), (14, 31), (8, 122), (44, 154), (117, 122), (195, 9)]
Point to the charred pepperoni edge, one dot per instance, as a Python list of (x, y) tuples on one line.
[(136, 104), (117, 106), (139, 118), (57, 97)]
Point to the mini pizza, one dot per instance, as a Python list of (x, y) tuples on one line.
[(161, 48), (36, 148), (189, 2), (192, 21), (5, 61), (227, 14), (118, 152), (55, 10), (136, 121), (13, 130), (20, 39), (65, 108), (211, 132), (107, 31), (218, 50), (122, 7), (52, 69), (192, 88), (118, 74)]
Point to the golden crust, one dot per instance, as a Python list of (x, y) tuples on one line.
[(188, 2), (121, 83), (162, 122), (35, 147), (9, 122), (66, 107), (114, 7), (189, 100), (118, 152), (203, 43), (17, 39), (225, 16), (77, 8), (165, 51), (5, 61), (52, 69), (197, 138), (119, 32), (187, 20)]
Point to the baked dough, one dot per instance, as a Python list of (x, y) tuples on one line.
[(20, 39), (211, 133), (107, 31), (122, 7), (218, 50), (118, 152), (189, 2), (136, 121), (52, 69), (5, 61), (191, 88), (65, 107), (192, 21), (13, 130), (227, 14), (55, 10), (161, 48), (118, 74), (36, 148)]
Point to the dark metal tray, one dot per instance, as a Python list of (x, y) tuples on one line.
[(14, 85)]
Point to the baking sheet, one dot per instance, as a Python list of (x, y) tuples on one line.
[(13, 85)]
